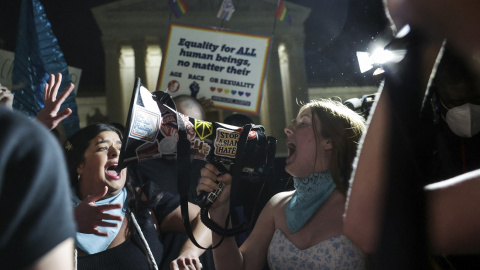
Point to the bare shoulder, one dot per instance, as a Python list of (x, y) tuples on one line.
[(280, 199)]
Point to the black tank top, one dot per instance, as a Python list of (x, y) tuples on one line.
[(132, 253)]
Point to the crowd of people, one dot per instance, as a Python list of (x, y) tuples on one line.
[(394, 191)]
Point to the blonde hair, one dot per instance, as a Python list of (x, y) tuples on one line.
[(344, 128)]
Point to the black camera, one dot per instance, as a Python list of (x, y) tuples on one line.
[(361, 105)]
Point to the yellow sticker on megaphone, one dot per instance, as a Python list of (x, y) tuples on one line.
[(203, 128)]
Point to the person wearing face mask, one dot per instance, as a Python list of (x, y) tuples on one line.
[(455, 102), (455, 134), (463, 120), (446, 177), (299, 229)]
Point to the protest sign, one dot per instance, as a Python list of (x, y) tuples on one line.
[(225, 66)]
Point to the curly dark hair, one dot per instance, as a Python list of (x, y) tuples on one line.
[(75, 147)]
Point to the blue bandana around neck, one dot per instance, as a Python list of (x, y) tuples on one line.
[(91, 243), (310, 193)]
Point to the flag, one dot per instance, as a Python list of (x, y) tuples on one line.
[(226, 10), (37, 54), (179, 7), (282, 13)]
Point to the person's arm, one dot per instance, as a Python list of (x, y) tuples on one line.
[(189, 254), (366, 195), (253, 253), (59, 258), (49, 115), (454, 214)]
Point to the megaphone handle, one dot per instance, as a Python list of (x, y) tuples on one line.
[(205, 199)]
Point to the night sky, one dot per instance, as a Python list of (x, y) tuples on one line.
[(75, 28), (336, 29)]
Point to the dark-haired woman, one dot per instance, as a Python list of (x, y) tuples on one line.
[(119, 224)]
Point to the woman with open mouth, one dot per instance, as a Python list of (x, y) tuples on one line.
[(118, 224), (303, 228)]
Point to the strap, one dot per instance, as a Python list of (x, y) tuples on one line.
[(238, 165), (183, 179)]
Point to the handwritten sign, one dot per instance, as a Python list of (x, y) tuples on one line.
[(6, 70), (225, 66)]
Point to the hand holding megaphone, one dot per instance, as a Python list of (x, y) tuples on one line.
[(216, 184)]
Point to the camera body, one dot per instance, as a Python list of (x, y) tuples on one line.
[(361, 105)]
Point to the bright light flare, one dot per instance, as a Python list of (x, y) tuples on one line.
[(364, 61), (381, 56), (367, 61)]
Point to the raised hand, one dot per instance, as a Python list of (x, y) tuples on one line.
[(190, 253), (186, 261), (49, 115), (89, 215), (207, 103)]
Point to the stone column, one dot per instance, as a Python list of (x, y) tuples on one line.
[(140, 52), (297, 88), (272, 114), (113, 97), (162, 42), (152, 62), (127, 80)]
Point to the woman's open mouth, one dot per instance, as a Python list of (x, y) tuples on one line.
[(112, 173), (291, 149)]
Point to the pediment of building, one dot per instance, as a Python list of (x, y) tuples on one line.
[(243, 9), (137, 18), (194, 6)]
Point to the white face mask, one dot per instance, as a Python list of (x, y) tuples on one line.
[(464, 120)]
